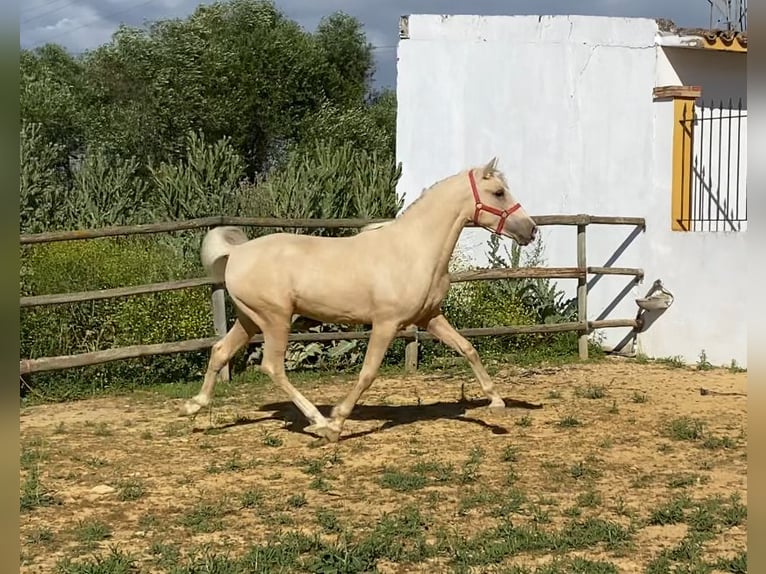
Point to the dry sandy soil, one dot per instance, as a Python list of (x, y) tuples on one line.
[(625, 467)]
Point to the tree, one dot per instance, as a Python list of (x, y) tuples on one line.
[(237, 71)]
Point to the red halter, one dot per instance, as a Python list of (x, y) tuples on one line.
[(503, 214)]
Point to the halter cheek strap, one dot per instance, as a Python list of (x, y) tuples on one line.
[(503, 214)]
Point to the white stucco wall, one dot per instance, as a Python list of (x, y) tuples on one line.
[(566, 105)]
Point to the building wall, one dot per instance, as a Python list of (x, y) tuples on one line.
[(566, 105)]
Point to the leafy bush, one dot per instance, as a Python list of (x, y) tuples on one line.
[(329, 180), (507, 302), (89, 326)]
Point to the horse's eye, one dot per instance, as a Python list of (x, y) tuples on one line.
[(498, 193)]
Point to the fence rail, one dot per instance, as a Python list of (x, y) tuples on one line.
[(580, 272), (274, 222)]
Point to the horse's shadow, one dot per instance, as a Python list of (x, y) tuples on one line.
[(393, 415)]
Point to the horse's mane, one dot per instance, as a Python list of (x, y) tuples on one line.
[(370, 226)]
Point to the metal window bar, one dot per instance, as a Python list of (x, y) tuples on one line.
[(716, 189)]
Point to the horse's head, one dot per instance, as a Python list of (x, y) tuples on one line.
[(495, 207)]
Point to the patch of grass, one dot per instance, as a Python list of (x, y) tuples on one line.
[(328, 520), (33, 493), (42, 535), (591, 392), (493, 545), (437, 471), (606, 443), (702, 518), (702, 363), (148, 521), (91, 531), (567, 565), (712, 442), (178, 428), (251, 499), (232, 464), (538, 515), (511, 476), (734, 513), (693, 430), (59, 428), (573, 512), (512, 503), (419, 475), (30, 457), (685, 428), (281, 519), (684, 480), (510, 454), (735, 368), (297, 501), (475, 499), (116, 562), (675, 362), (102, 429), (582, 470), (97, 462), (589, 499), (736, 564), (569, 421), (671, 512), (166, 556), (639, 398), (524, 421), (272, 441), (554, 394), (470, 470), (320, 483), (314, 466), (203, 518), (130, 490)]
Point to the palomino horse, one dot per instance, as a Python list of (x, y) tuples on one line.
[(390, 276)]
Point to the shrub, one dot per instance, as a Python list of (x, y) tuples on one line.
[(89, 326), (329, 180), (508, 302)]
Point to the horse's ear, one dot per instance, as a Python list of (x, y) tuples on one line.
[(489, 169)]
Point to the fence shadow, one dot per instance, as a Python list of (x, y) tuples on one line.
[(392, 415)]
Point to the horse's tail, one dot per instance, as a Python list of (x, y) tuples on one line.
[(216, 246)]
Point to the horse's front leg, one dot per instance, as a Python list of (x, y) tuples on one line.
[(440, 328), (380, 339)]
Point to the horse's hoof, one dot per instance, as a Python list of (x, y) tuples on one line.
[(325, 432), (189, 408)]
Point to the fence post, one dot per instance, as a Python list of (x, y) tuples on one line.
[(411, 354), (218, 300), (582, 291)]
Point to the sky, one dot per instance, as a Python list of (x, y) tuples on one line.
[(81, 25)]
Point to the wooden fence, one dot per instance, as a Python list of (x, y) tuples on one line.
[(583, 326)]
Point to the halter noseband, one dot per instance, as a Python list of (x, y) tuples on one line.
[(503, 214)]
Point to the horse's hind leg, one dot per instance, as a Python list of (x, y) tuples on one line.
[(440, 328), (220, 354)]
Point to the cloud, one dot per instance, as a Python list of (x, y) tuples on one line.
[(85, 24)]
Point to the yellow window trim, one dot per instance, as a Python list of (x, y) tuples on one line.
[(683, 103)]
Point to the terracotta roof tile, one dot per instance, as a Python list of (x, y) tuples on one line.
[(710, 35)]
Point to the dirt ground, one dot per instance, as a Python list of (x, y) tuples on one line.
[(615, 441)]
